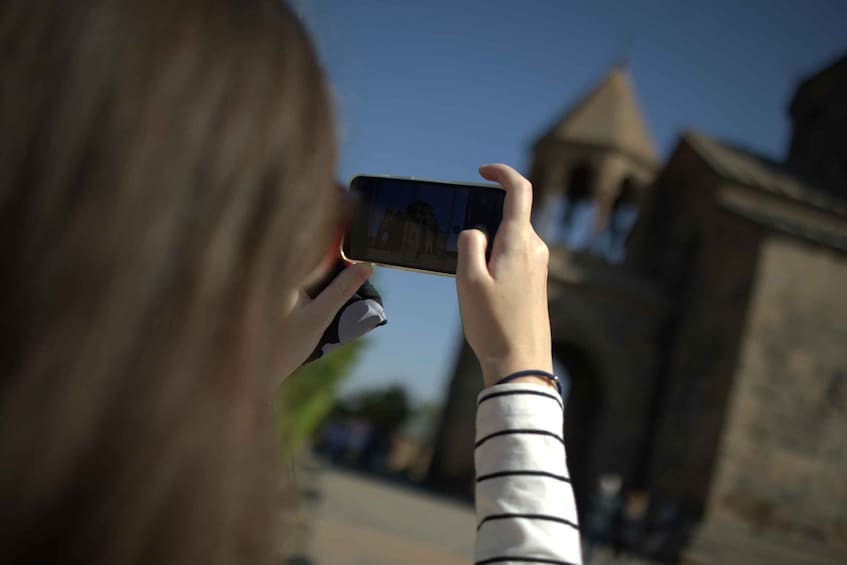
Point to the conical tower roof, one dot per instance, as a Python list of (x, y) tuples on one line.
[(609, 115)]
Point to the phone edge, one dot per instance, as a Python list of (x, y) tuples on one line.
[(435, 181), (390, 266)]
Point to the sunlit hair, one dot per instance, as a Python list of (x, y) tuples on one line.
[(165, 179)]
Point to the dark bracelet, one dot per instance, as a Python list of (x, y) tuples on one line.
[(534, 373)]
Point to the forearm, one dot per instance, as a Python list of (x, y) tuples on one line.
[(525, 504)]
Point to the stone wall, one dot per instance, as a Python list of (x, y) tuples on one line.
[(783, 461)]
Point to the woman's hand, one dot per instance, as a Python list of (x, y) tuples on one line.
[(503, 303), (308, 318)]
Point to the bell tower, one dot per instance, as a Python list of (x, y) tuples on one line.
[(590, 169)]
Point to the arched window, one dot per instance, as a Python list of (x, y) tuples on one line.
[(611, 243), (538, 174), (621, 220), (578, 214)]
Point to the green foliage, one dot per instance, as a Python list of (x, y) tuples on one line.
[(387, 408), (307, 396)]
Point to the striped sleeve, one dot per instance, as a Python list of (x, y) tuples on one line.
[(524, 501)]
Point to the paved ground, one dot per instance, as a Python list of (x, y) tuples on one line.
[(353, 519), (349, 518)]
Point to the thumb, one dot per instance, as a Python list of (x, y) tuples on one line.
[(471, 262), (326, 305)]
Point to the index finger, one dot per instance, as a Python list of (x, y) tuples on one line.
[(518, 202)]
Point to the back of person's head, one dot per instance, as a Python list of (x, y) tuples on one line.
[(165, 182)]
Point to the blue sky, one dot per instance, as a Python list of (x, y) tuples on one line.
[(436, 88)]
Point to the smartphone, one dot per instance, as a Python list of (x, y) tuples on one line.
[(414, 224)]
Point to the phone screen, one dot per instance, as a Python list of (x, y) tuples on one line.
[(416, 223)]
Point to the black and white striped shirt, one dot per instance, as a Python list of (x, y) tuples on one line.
[(525, 506)]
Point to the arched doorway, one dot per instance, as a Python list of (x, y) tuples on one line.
[(584, 408)]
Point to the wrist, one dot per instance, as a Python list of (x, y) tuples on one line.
[(532, 380), (553, 379), (493, 372)]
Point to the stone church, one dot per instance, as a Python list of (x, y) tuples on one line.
[(699, 313)]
